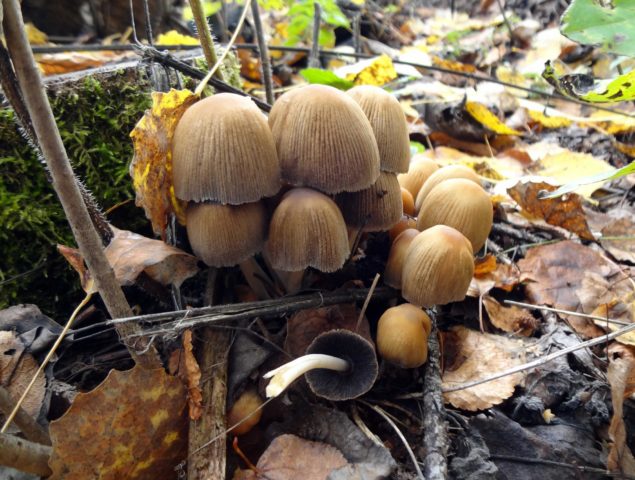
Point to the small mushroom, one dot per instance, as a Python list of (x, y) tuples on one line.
[(339, 365), (324, 140), (402, 335), (408, 202), (223, 151), (419, 171), (245, 412), (225, 235), (373, 209), (438, 267), (461, 204), (442, 174), (403, 224), (394, 264), (389, 126)]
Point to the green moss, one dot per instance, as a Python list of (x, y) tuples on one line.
[(94, 120)]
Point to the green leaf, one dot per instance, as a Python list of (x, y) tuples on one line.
[(416, 147), (325, 77), (326, 38), (601, 177), (588, 22)]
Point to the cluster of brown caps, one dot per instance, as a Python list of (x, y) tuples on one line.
[(337, 154)]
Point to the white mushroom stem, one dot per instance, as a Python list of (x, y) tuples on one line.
[(288, 373)]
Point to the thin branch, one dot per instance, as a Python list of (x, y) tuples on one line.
[(565, 312), (265, 62), (25, 456), (32, 430), (314, 55), (205, 35), (64, 181)]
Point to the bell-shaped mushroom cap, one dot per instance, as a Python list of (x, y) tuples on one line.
[(307, 230), (402, 335), (223, 151), (394, 264), (461, 204), (389, 126), (442, 174), (324, 140), (376, 208), (419, 171), (225, 235), (438, 267), (362, 371)]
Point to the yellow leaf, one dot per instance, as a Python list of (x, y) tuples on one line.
[(175, 38), (151, 168), (481, 114), (547, 121), (567, 167), (611, 123), (35, 36), (452, 65), (376, 71)]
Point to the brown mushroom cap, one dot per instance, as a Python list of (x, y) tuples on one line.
[(245, 412), (402, 335), (442, 174), (307, 230), (324, 140), (408, 202), (461, 204), (419, 171), (394, 264), (389, 126), (223, 151), (376, 208), (362, 371), (438, 267), (225, 235), (404, 223)]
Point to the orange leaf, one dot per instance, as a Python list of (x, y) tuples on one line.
[(192, 376)]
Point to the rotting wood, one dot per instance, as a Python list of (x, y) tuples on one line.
[(25, 456)]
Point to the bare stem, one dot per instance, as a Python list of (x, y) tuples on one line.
[(205, 36), (288, 373), (24, 455), (314, 55), (64, 181), (263, 50)]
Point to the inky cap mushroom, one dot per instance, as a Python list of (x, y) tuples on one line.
[(394, 264), (438, 267), (376, 208), (402, 335), (225, 235), (440, 175), (461, 204), (307, 230), (418, 172), (389, 126), (324, 140), (223, 151)]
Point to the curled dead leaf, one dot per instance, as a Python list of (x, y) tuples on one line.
[(188, 370), (510, 319), (469, 356), (133, 426)]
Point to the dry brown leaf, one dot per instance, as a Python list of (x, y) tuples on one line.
[(132, 426), (74, 258), (620, 371), (16, 371), (130, 254), (58, 63), (555, 276), (470, 355), (192, 376), (290, 457), (305, 325), (510, 319), (488, 274), (151, 167), (617, 238), (565, 211)]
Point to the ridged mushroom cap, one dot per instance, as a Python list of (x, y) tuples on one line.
[(418, 172), (324, 140), (389, 126), (442, 174), (402, 335), (438, 267), (307, 230), (225, 235), (394, 264), (376, 208), (223, 151), (461, 204), (357, 380)]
